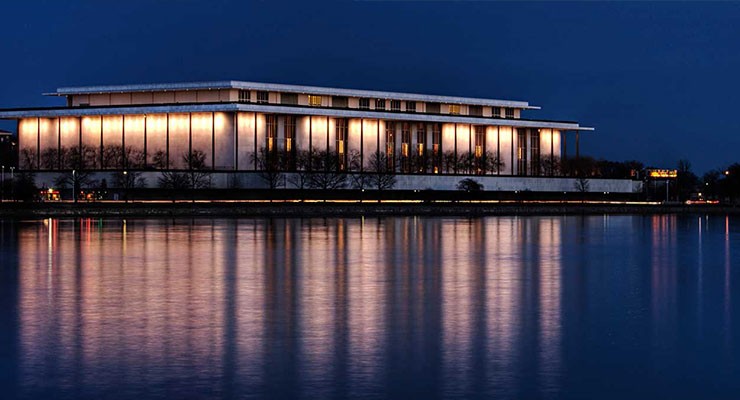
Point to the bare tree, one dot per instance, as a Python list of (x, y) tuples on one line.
[(358, 179), (382, 177), (582, 184), (28, 159), (50, 158), (491, 163), (449, 161), (268, 167), (200, 175), (325, 171), (159, 159), (300, 179), (173, 180), (550, 165)]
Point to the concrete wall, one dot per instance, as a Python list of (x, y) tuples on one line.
[(403, 182)]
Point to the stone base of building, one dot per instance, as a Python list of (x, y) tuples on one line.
[(253, 180)]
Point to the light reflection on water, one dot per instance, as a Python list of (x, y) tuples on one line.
[(511, 307)]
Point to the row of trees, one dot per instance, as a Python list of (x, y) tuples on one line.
[(321, 169), (91, 157)]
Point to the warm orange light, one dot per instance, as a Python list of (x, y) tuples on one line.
[(663, 173)]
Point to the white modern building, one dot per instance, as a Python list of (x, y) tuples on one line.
[(231, 127)]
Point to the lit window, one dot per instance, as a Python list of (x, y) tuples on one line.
[(454, 109), (271, 133), (364, 104), (341, 133), (380, 104), (263, 97), (395, 105), (244, 96), (314, 101), (410, 106)]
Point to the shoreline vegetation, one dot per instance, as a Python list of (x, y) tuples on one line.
[(168, 209)]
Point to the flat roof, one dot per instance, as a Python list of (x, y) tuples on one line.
[(276, 87), (48, 112)]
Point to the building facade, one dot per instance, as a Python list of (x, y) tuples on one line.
[(235, 129)]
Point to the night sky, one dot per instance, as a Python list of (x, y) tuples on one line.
[(659, 81)]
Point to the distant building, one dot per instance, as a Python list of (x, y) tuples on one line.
[(8, 150), (233, 127)]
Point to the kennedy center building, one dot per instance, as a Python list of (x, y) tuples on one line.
[(228, 127)]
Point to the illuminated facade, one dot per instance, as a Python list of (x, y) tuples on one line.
[(231, 127)]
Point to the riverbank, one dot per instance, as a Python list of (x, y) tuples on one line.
[(328, 209)]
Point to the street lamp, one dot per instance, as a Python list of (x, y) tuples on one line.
[(125, 186), (2, 185)]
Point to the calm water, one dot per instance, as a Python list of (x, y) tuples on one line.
[(500, 307)]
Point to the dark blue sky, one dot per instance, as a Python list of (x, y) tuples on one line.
[(659, 81)]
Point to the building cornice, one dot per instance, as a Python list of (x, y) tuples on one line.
[(284, 109), (276, 87)]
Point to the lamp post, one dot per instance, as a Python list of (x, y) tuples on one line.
[(2, 185), (125, 186)]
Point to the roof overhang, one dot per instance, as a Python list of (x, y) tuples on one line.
[(284, 109), (276, 87)]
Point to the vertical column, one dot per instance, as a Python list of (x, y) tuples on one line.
[(236, 139), (454, 169), (512, 150), (123, 141), (100, 145), (256, 150), (146, 154), (552, 151), (578, 145), (167, 135), (38, 143), (59, 142), (498, 150), (213, 140), (190, 140), (79, 146), (362, 145)]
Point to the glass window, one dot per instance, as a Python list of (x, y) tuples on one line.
[(436, 147), (475, 110), (395, 105), (496, 112), (410, 106), (263, 97), (521, 152), (290, 142), (341, 128), (535, 150), (339, 101), (454, 109), (244, 96), (364, 103), (289, 98), (480, 149), (380, 104), (509, 112), (390, 144), (405, 147), (314, 101), (433, 108), (271, 133)]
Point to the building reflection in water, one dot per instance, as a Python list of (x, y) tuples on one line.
[(332, 307)]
